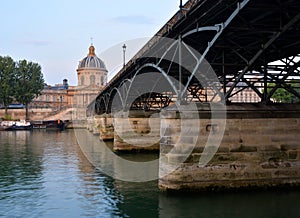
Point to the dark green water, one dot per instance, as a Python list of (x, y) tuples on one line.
[(45, 174)]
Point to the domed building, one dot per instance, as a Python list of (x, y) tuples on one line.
[(92, 77), (91, 70)]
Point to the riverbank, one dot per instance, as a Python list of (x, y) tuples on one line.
[(45, 114)]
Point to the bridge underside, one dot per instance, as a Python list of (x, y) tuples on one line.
[(212, 51)]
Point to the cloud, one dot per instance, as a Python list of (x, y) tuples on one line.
[(133, 19)]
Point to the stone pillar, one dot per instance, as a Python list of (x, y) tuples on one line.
[(106, 127), (260, 148), (96, 125), (136, 131), (89, 124)]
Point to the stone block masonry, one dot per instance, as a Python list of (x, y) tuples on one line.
[(138, 132), (34, 114), (106, 127), (260, 148)]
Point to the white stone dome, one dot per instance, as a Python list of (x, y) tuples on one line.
[(91, 61)]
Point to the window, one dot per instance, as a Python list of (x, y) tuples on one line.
[(47, 98), (82, 80), (102, 80), (92, 80)]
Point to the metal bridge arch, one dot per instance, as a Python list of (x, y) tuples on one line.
[(116, 92), (132, 80), (219, 28), (225, 33)]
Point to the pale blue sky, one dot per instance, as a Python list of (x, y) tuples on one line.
[(56, 33)]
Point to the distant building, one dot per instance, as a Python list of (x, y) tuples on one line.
[(244, 94), (92, 77)]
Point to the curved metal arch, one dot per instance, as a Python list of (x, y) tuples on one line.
[(123, 84), (99, 103), (120, 96), (102, 99), (166, 52), (106, 100), (201, 29), (125, 80), (157, 68), (221, 28)]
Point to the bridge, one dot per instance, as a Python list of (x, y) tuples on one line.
[(194, 66)]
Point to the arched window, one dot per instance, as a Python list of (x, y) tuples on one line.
[(92, 79), (102, 80), (82, 80)]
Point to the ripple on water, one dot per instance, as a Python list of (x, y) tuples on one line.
[(45, 174)]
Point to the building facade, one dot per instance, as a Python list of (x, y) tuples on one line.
[(91, 77), (244, 94)]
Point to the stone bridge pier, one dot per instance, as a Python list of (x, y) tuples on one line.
[(260, 147), (132, 131), (106, 127), (90, 123), (136, 131)]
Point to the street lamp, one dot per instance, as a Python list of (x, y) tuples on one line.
[(124, 50)]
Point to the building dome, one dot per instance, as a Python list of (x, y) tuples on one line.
[(91, 61)]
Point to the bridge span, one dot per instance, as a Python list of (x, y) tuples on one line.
[(178, 94)]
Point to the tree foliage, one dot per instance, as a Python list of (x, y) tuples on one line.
[(22, 82), (29, 82), (281, 95), (7, 81)]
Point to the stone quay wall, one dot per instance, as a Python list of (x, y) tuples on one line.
[(34, 114), (260, 147)]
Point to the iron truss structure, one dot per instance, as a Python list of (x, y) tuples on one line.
[(253, 42)]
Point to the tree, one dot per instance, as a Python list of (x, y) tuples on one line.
[(29, 83), (281, 95), (7, 81)]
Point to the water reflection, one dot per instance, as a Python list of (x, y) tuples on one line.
[(132, 199), (97, 192), (45, 174), (20, 174), (231, 205), (133, 168)]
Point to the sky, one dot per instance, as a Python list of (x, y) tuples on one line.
[(57, 33)]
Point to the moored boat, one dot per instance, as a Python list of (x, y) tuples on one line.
[(5, 125), (3, 128), (49, 124), (39, 124), (19, 125)]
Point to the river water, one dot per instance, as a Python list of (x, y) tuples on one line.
[(46, 174)]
